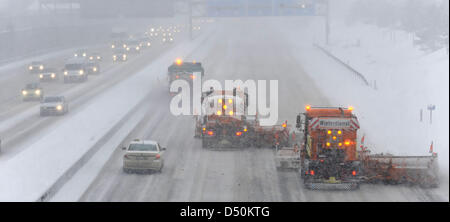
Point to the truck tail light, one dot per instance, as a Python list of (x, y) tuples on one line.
[(238, 133), (354, 172), (311, 172), (211, 133)]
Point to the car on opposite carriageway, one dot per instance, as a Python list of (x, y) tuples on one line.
[(53, 105), (36, 67), (48, 75), (120, 55), (95, 56), (75, 70), (32, 91)]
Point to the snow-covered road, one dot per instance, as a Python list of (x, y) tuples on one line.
[(244, 50)]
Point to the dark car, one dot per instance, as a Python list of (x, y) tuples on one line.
[(48, 75), (120, 55), (36, 67)]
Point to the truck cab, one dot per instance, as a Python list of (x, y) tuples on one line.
[(184, 70), (328, 153), (223, 121)]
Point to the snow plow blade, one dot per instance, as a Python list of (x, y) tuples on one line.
[(413, 170), (332, 186)]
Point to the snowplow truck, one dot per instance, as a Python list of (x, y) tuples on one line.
[(185, 71), (331, 159), (224, 123)]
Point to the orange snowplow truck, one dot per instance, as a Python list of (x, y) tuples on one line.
[(330, 159), (328, 153), (224, 123)]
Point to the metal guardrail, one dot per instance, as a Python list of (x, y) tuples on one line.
[(355, 72)]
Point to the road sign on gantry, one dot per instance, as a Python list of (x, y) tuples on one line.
[(240, 8)]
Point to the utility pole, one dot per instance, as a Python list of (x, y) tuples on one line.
[(327, 23)]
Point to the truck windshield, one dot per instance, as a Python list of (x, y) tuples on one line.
[(142, 147)]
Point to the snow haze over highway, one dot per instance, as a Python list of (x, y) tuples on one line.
[(113, 135)]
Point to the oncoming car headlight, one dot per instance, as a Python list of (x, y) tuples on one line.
[(41, 76), (137, 48), (41, 67), (30, 67), (59, 107), (53, 75), (81, 72), (94, 69), (66, 72), (37, 92), (24, 92)]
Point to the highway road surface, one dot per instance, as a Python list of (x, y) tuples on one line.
[(243, 50), (20, 122)]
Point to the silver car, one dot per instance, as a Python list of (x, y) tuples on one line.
[(143, 155), (53, 105)]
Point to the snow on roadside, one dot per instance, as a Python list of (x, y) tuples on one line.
[(29, 174), (407, 80)]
